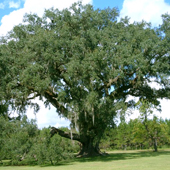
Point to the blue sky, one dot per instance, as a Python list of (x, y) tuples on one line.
[(6, 7), (12, 11), (108, 3)]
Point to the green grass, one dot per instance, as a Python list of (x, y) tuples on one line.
[(116, 160)]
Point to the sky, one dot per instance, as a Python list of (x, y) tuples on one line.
[(12, 12)]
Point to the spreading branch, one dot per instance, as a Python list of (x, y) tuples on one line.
[(67, 135)]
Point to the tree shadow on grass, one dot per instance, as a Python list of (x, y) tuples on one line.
[(113, 156), (123, 156)]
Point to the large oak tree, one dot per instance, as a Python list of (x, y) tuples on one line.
[(86, 63)]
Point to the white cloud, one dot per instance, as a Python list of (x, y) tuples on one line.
[(8, 21), (148, 10), (13, 4), (2, 5), (32, 6), (164, 114), (47, 117)]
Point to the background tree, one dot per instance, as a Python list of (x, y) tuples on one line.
[(86, 64), (122, 135), (167, 122), (157, 132), (140, 139), (153, 129), (17, 138), (108, 139)]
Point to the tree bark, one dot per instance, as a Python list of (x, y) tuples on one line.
[(88, 148), (87, 145), (155, 145), (68, 135)]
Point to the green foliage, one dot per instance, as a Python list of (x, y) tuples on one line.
[(17, 138), (156, 129), (123, 132), (47, 149), (22, 143), (108, 140), (85, 63), (135, 135)]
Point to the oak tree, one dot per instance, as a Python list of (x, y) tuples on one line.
[(86, 63)]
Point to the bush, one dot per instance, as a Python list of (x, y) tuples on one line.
[(48, 149), (22, 143)]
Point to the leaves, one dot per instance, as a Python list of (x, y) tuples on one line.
[(74, 57)]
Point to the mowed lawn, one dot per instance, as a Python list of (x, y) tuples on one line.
[(116, 160)]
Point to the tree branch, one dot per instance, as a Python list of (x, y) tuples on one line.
[(111, 81), (52, 97), (67, 135), (33, 97)]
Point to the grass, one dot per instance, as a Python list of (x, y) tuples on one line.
[(116, 160)]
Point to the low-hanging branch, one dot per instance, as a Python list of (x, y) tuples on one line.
[(68, 135)]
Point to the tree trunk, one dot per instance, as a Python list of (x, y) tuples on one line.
[(88, 146), (125, 148), (155, 145), (89, 149)]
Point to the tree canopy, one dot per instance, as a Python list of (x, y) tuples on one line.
[(86, 63)]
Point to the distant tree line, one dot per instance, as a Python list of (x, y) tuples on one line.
[(139, 133)]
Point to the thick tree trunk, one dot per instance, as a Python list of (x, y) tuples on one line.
[(88, 147)]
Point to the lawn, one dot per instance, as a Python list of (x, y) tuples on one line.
[(116, 160)]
